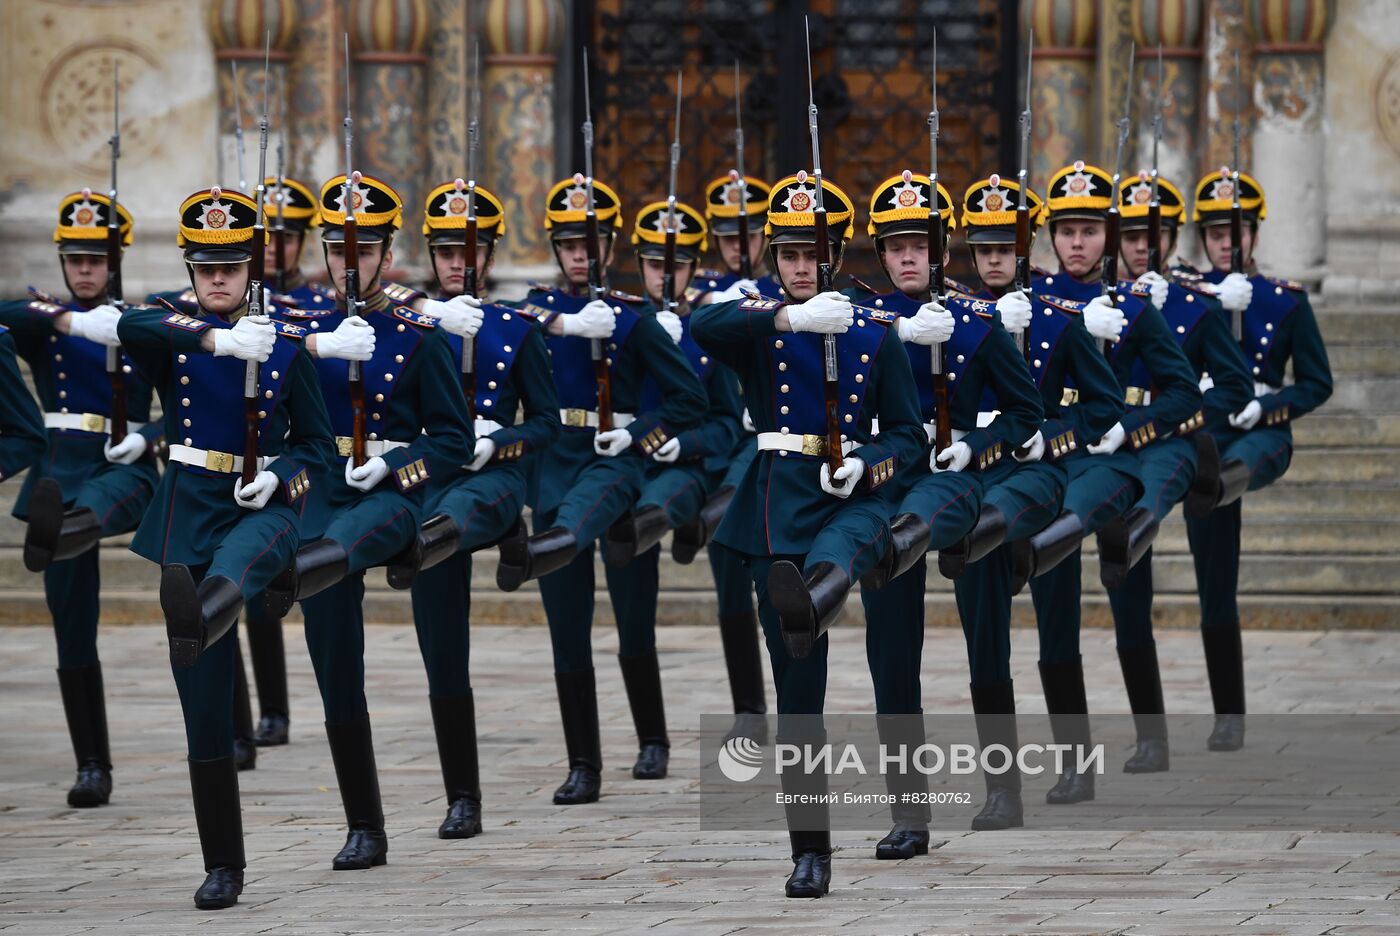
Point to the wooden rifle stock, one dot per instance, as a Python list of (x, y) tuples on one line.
[(942, 417), (595, 291), (1108, 275), (356, 372), (114, 354), (1154, 237), (469, 278), (251, 419), (831, 384), (1022, 280)]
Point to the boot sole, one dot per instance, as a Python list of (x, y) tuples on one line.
[(376, 862), (575, 801), (184, 613), (999, 826), (788, 592)]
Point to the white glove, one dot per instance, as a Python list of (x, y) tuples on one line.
[(1156, 284), (98, 324), (1207, 383), (250, 339), (595, 320), (827, 313), (931, 325), (127, 450), (1111, 442), (1103, 319), (460, 315), (1247, 418), (1015, 311), (612, 443), (368, 475), (485, 448), (668, 452), (844, 481), (735, 292), (955, 457), (1032, 451), (256, 495), (748, 422), (1236, 292), (672, 323), (352, 340)]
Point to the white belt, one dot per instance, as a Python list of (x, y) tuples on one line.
[(86, 422), (798, 444), (223, 462), (344, 446), (484, 427), (984, 419), (582, 418), (1263, 389)]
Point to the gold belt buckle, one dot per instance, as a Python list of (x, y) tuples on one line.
[(576, 418), (93, 422), (344, 446), (219, 461), (1069, 397), (1134, 396), (813, 445)]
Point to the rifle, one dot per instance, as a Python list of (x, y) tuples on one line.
[(942, 418), (352, 277), (114, 272), (825, 276), (469, 273), (1154, 204), (595, 263), (1108, 273), (668, 275), (745, 261), (257, 270), (1236, 212), (279, 230), (1022, 280)]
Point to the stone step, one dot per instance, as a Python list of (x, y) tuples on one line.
[(1319, 500), (1365, 393), (1372, 357), (1359, 326), (1335, 427), (1359, 464)]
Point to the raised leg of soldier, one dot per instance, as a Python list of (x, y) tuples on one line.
[(1215, 553), (1268, 453), (268, 652), (442, 617), (634, 590), (483, 508), (947, 502), (1096, 493), (1029, 497), (669, 500), (374, 529), (603, 492)]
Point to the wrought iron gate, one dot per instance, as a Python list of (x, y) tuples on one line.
[(871, 61)]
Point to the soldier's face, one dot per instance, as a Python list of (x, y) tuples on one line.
[(797, 270), (572, 254), (906, 262), (996, 264), (730, 249), (450, 267), (221, 287), (1079, 245), (374, 260), (86, 274), (1135, 250), (291, 252), (654, 278), (1218, 244)]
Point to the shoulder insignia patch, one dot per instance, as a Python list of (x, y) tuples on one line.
[(297, 312), (286, 301), (708, 273), (414, 318), (625, 297), (958, 286), (756, 303), (186, 322), (401, 294), (46, 309), (1288, 284), (533, 311), (287, 330), (1072, 306), (538, 287), (883, 316), (1186, 270), (862, 284)]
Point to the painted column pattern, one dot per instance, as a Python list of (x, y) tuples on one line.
[(238, 29), (1176, 25), (1062, 82)]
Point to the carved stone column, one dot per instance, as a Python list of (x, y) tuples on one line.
[(238, 29), (1062, 82)]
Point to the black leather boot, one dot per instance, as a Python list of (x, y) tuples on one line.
[(909, 539), (1041, 552), (245, 751), (1063, 683), (988, 533), (578, 707), (806, 605), (808, 816), (1206, 487), (1225, 667), (811, 860), (642, 677), (1234, 481), (436, 540), (994, 704), (910, 812), (352, 751), (1143, 679), (525, 558), (54, 534), (688, 540), (316, 567), (196, 616), (1123, 543), (270, 674), (738, 633), (454, 723), (85, 708), (217, 814), (634, 534)]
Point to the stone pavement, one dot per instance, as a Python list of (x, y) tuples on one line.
[(636, 860)]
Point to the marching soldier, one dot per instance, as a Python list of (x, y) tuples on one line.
[(86, 485), (806, 531), (21, 425), (991, 406), (363, 515), (603, 351), (468, 510), (722, 212), (230, 538), (1277, 328), (1157, 392), (1194, 319), (682, 473)]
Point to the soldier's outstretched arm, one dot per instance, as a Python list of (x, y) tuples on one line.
[(310, 443), (448, 436), (1211, 343), (22, 435), (1018, 398), (683, 401), (1176, 391), (902, 439), (150, 335), (728, 330), (1312, 373), (718, 433), (1100, 403), (539, 400)]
